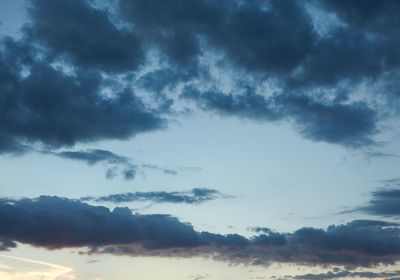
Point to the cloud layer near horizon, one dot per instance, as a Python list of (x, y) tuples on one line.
[(62, 83), (54, 223), (194, 196)]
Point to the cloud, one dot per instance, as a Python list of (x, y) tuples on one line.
[(246, 32), (78, 40), (93, 156), (63, 82), (384, 202), (113, 162), (54, 223), (339, 274), (116, 164), (376, 154), (55, 109), (349, 125), (194, 196), (275, 39)]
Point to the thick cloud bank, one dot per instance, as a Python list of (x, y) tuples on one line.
[(53, 222)]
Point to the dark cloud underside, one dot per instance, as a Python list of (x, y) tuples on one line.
[(113, 162), (53, 222), (317, 75), (45, 104), (339, 274), (278, 39)]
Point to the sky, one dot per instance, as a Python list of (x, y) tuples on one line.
[(199, 139)]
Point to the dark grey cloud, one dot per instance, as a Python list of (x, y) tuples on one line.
[(83, 35), (93, 156), (347, 124), (376, 154), (194, 196), (116, 164), (165, 170), (384, 202), (366, 14), (254, 34), (339, 274), (113, 162), (170, 171), (52, 108), (53, 222)]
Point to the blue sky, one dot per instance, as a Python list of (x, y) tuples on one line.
[(199, 139)]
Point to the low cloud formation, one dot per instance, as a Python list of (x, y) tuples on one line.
[(56, 109), (370, 155), (339, 274), (53, 88), (54, 223), (195, 196)]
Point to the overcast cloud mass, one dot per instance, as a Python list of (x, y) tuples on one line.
[(80, 76), (284, 64)]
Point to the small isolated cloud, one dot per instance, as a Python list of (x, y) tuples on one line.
[(194, 196), (114, 163)]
